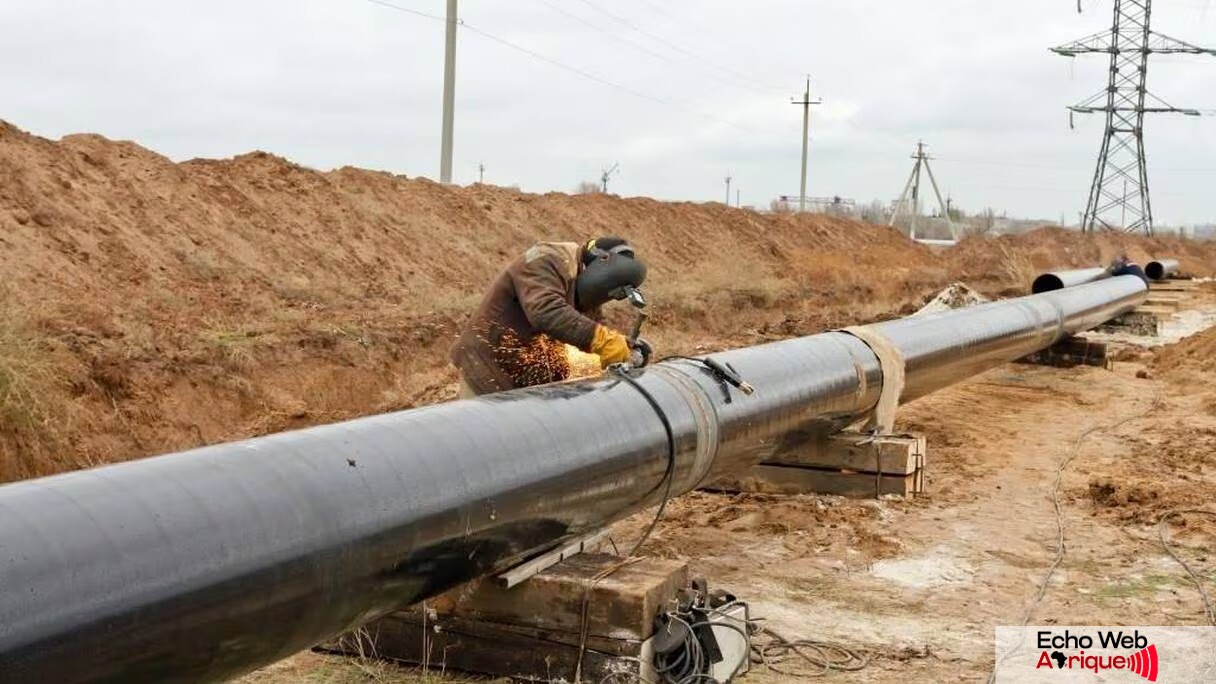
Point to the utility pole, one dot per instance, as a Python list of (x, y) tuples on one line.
[(913, 185), (728, 179), (449, 95), (605, 175), (806, 103), (1119, 191)]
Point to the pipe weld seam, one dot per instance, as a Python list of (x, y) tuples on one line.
[(704, 416)]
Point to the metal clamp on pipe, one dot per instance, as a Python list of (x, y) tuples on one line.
[(722, 372)]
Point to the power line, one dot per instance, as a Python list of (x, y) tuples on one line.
[(659, 8), (643, 48), (603, 81), (1060, 167), (407, 10), (572, 69), (606, 32), (683, 23), (742, 78)]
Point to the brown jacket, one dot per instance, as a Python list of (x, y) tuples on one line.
[(517, 335)]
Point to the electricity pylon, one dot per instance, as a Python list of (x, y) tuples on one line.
[(606, 175), (913, 187), (1119, 195)]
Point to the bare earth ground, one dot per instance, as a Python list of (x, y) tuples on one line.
[(149, 306)]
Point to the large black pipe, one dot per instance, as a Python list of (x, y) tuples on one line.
[(1161, 269), (1058, 280), (208, 563)]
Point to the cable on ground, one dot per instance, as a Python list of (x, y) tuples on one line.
[(1057, 507), (1208, 609)]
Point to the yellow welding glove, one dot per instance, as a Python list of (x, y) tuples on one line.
[(611, 346)]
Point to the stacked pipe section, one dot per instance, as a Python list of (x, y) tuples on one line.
[(1162, 269), (1058, 280), (212, 562), (1159, 269)]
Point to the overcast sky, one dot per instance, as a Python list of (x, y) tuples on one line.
[(701, 88)]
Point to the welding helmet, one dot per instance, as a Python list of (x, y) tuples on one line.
[(610, 271)]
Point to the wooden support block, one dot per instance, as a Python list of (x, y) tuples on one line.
[(533, 630), (474, 646), (845, 464), (1135, 323), (1161, 303), (1173, 285), (785, 479), (623, 605), (1068, 353), (887, 454), (1156, 310)]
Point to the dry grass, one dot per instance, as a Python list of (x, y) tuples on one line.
[(202, 265), (321, 668), (31, 385), (299, 290), (235, 347), (1016, 267), (706, 288)]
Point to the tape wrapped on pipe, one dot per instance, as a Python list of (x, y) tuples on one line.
[(892, 363)]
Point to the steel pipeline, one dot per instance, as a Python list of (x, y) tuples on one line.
[(1058, 280), (1161, 269), (208, 563)]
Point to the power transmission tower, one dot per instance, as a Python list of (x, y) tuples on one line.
[(449, 95), (606, 174), (1119, 195), (806, 102), (728, 179), (913, 186)]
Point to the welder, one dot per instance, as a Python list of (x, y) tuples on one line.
[(1122, 265), (549, 297)]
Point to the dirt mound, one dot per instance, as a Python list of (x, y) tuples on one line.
[(1194, 355), (956, 296), (110, 219)]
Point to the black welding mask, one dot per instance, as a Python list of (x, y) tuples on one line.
[(610, 270)]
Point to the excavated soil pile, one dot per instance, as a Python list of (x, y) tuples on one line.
[(1194, 356), (149, 306)]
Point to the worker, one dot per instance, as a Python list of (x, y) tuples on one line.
[(545, 299), (1122, 265)]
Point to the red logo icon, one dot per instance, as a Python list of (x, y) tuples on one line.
[(1144, 663)]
